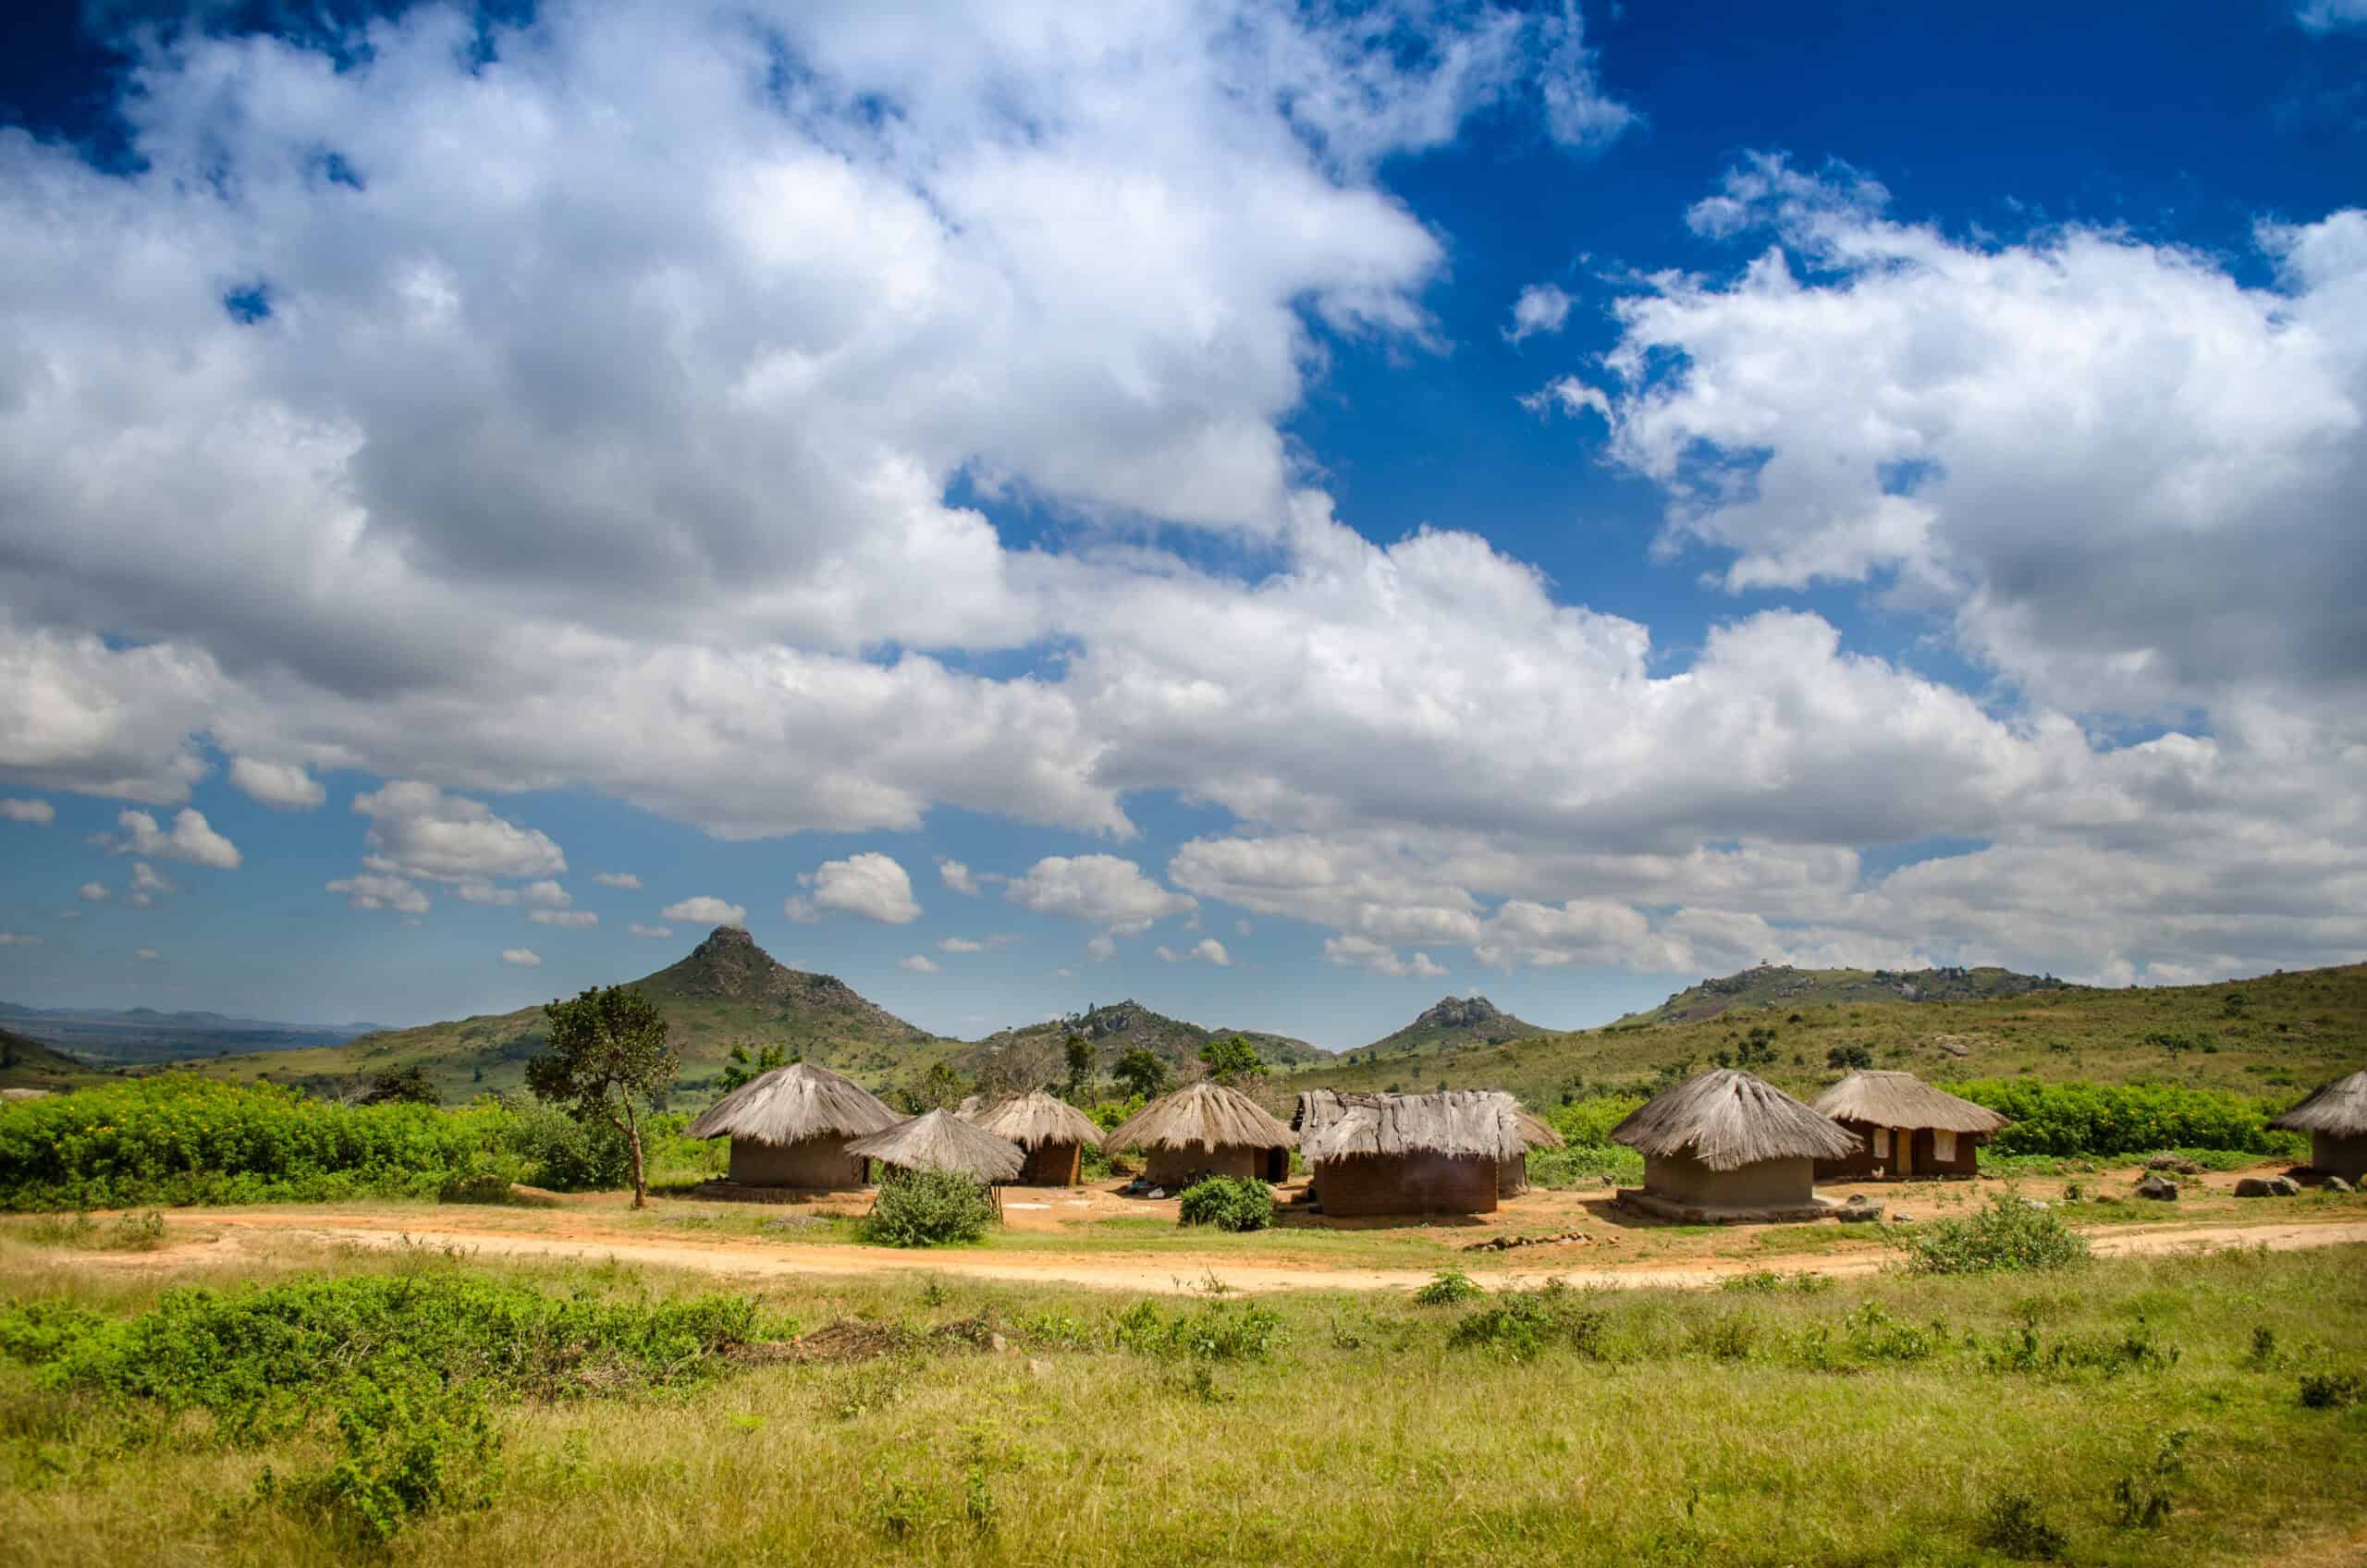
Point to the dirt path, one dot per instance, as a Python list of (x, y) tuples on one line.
[(1171, 1273)]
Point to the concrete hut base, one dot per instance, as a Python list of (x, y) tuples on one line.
[(1635, 1200)]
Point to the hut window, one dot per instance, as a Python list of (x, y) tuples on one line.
[(1943, 1144), (1881, 1143)]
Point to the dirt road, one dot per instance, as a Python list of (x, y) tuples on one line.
[(1166, 1273)]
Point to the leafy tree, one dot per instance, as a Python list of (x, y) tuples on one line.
[(1232, 1059), (1849, 1057), (401, 1086), (1757, 1047), (740, 1068), (1079, 1051), (941, 1088), (1142, 1072), (607, 1049)]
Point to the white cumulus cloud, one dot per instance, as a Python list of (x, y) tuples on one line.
[(285, 786), (1541, 310), (37, 812), (524, 957), (919, 964), (1208, 951), (616, 879), (956, 875), (566, 919), (707, 911), (1105, 891), (191, 839), (378, 889), (871, 885), (638, 929), (416, 830)]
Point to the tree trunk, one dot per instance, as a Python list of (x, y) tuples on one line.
[(640, 1180)]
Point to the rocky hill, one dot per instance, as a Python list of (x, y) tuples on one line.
[(1781, 985), (1451, 1023), (1037, 1053), (727, 991)]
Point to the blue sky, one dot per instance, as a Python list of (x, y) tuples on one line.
[(1917, 522)]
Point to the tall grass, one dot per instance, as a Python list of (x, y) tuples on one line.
[(1890, 1420)]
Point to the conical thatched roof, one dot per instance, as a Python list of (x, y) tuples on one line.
[(1901, 1100), (1460, 1123), (1537, 1132), (1039, 1117), (1727, 1119), (789, 1104), (1207, 1114), (943, 1141), (2339, 1108)]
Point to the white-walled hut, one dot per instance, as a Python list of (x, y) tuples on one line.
[(1904, 1127), (1409, 1153), (943, 1141), (2335, 1115), (1053, 1134), (1206, 1129), (1724, 1144), (791, 1127)]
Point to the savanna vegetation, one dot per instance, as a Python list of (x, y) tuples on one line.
[(425, 1408)]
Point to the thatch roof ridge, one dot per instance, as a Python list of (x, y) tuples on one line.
[(943, 1141), (1322, 1110), (2339, 1108), (1884, 1098), (1208, 1114), (794, 1103), (1459, 1123), (1728, 1119), (1037, 1118)]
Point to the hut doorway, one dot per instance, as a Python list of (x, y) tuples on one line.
[(1278, 1166)]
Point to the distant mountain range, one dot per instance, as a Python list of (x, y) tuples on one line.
[(144, 1035), (1037, 1053), (1780, 985), (728, 991)]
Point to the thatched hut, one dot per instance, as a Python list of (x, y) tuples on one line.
[(791, 1127), (1535, 1133), (1054, 1134), (2335, 1118), (1409, 1153), (1904, 1127), (943, 1141), (1207, 1130), (1726, 1146)]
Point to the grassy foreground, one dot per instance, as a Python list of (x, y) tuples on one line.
[(1892, 1419)]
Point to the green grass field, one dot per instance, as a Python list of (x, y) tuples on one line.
[(2137, 1412)]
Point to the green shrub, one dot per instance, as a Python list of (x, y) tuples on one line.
[(1448, 1287), (179, 1139), (1216, 1330), (1523, 1325), (2007, 1235), (2095, 1118), (257, 1358), (927, 1208), (1229, 1203), (1583, 1165), (2332, 1390), (2014, 1526), (402, 1452)]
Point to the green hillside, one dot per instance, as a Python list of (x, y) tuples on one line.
[(2275, 1034), (1451, 1023), (728, 991), (26, 1064), (1780, 985), (1037, 1054)]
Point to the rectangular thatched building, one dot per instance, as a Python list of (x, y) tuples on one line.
[(1904, 1127), (1444, 1153)]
